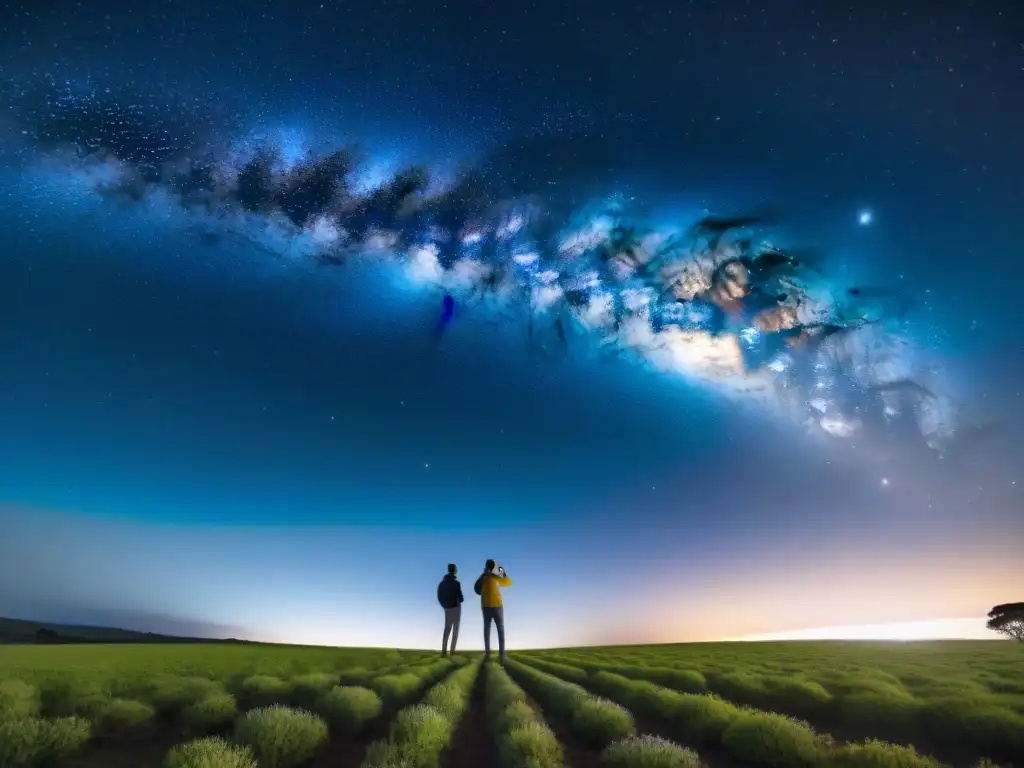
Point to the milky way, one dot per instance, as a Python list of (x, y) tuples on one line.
[(714, 301)]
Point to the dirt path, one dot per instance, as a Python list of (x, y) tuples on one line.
[(349, 750), (472, 745), (149, 752)]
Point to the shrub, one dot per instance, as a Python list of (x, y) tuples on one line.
[(765, 738), (741, 687), (308, 688), (976, 723), (880, 754), (349, 708), (421, 732), (529, 744), (384, 754), (33, 740), (599, 721), (561, 697), (641, 696), (124, 716), (686, 680), (264, 691), (18, 699), (281, 736), (886, 716), (516, 713), (447, 699), (398, 689), (564, 671), (70, 696), (209, 714), (171, 693), (802, 697), (703, 718), (210, 752), (648, 752)]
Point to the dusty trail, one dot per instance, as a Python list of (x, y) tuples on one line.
[(349, 750), (472, 745)]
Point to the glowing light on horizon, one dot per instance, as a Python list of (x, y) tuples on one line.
[(934, 629)]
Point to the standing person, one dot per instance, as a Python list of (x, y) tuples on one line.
[(487, 586), (449, 595)]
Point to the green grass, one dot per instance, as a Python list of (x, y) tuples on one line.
[(32, 741), (349, 708), (209, 714), (648, 752), (878, 754), (764, 738), (280, 736), (210, 752), (421, 731), (124, 717)]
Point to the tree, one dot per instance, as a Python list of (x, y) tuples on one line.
[(1008, 619)]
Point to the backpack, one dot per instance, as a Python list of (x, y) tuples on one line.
[(479, 586)]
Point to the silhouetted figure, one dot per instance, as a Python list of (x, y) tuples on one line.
[(449, 595), (488, 587)]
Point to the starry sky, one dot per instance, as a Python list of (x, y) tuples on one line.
[(212, 435)]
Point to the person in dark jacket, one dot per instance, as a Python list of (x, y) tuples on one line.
[(449, 595)]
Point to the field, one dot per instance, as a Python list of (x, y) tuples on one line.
[(779, 705)]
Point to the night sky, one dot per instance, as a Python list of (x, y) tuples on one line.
[(205, 428)]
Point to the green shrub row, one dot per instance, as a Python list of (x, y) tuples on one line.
[(401, 687), (595, 721), (522, 737), (275, 736), (648, 752), (26, 742), (421, 731), (751, 736), (882, 709)]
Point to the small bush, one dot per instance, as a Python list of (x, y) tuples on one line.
[(764, 738), (564, 671), (880, 754), (599, 721), (420, 732), (280, 736), (802, 697), (210, 714), (265, 691), (398, 689), (515, 714), (529, 744), (886, 716), (648, 752), (641, 696), (18, 699), (385, 754), (171, 693), (70, 696), (308, 688), (33, 740), (447, 699), (976, 723), (210, 752), (686, 680), (703, 718), (741, 687), (349, 708), (124, 716)]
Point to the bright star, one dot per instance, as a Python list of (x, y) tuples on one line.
[(864, 218), (885, 481)]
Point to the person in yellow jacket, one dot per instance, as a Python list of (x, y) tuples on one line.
[(488, 587)]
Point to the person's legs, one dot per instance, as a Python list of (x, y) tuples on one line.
[(488, 616), (456, 620), (448, 625), (499, 622)]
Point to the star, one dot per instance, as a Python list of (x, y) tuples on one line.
[(885, 482), (864, 218)]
